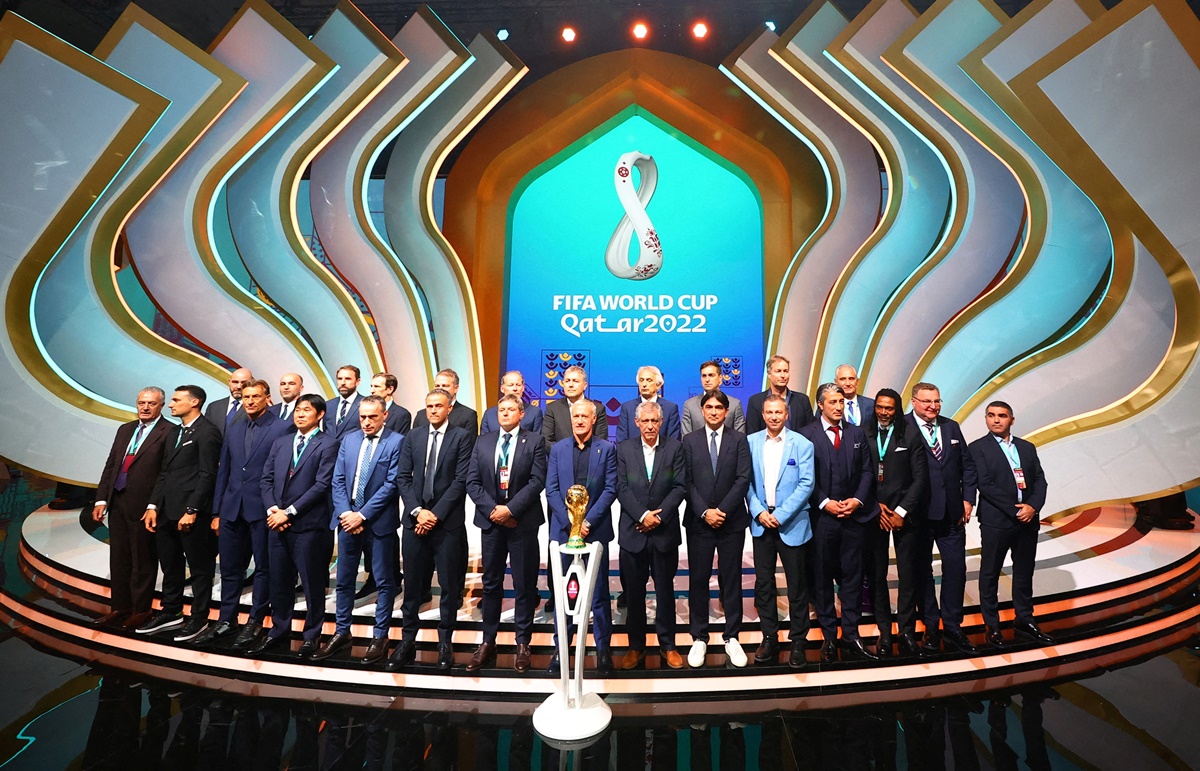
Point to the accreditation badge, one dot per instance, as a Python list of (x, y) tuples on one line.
[(504, 476), (879, 476), (1019, 475)]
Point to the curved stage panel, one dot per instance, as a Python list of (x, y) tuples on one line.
[(1111, 592)]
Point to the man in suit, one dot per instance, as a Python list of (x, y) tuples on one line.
[(342, 411), (513, 383), (841, 506), (948, 501), (224, 411), (461, 415), (717, 463), (366, 511), (556, 424), (692, 416), (295, 491), (651, 485), (434, 461), (800, 413), (649, 383), (782, 465), (291, 386), (383, 385), (180, 515), (859, 409), (125, 486), (1012, 491), (585, 459), (901, 476), (242, 517), (505, 482)]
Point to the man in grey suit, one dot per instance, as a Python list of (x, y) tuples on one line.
[(222, 412), (692, 416)]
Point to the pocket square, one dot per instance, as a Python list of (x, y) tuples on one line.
[(953, 441), (185, 444), (901, 449), (791, 461)]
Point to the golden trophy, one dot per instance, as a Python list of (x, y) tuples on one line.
[(577, 503)]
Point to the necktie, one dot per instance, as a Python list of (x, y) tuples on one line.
[(852, 411), (296, 455), (837, 437), (364, 468), (342, 410), (933, 440), (250, 426), (712, 451), (130, 454), (233, 408), (431, 464)]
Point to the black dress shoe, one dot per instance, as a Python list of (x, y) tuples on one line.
[(548, 608), (857, 650), (405, 653), (909, 646), (332, 645), (604, 662), (621, 600), (798, 657), (829, 652), (555, 667), (307, 649), (248, 636), (445, 660), (376, 650), (768, 651), (883, 648), (368, 588), (995, 638), (1031, 632), (219, 629), (955, 638), (267, 643), (931, 642)]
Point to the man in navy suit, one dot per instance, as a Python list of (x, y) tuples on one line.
[(222, 412), (461, 415), (434, 460), (505, 482), (295, 490), (859, 409), (365, 517), (513, 383), (584, 459), (342, 414), (782, 462), (717, 460), (779, 373), (651, 484), (242, 515), (841, 506), (1012, 491), (383, 385), (948, 501), (291, 385), (649, 382)]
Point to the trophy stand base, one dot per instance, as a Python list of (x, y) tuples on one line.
[(563, 725)]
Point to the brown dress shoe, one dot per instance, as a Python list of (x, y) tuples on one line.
[(482, 656), (631, 659), (673, 659), (137, 619), (115, 618), (521, 662)]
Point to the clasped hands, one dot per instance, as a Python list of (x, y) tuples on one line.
[(842, 509), (503, 516), (650, 520), (426, 520)]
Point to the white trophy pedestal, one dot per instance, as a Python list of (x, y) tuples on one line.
[(564, 724)]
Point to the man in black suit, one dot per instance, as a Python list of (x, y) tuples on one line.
[(434, 461), (461, 415), (295, 491), (1012, 491), (859, 409), (291, 385), (513, 382), (242, 518), (341, 413), (800, 412), (717, 469), (947, 503), (651, 484), (556, 423), (125, 486), (842, 504), (505, 482), (180, 514), (901, 474), (224, 411), (383, 385)]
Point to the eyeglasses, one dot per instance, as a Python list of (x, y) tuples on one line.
[(927, 401)]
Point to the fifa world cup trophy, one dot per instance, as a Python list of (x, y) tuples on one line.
[(577, 502)]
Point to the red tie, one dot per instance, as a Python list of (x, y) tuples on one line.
[(837, 436)]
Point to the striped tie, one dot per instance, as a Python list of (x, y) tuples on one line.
[(933, 438)]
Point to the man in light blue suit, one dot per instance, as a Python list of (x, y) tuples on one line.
[(365, 511), (649, 381), (778, 499)]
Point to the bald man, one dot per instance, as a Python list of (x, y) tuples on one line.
[(291, 385), (222, 412)]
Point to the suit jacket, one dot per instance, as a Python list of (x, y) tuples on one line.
[(855, 457), (800, 412), (692, 415), (349, 423), (189, 471), (527, 479), (725, 491), (307, 487), (239, 476), (143, 472), (793, 487), (998, 486), (531, 422), (449, 494), (601, 485), (866, 410), (381, 507), (637, 493), (215, 412), (556, 423), (278, 410), (626, 428), (951, 480), (398, 419), (905, 467), (461, 416)]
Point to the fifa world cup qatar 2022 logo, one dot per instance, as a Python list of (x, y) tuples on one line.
[(650, 253)]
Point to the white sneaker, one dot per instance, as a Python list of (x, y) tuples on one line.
[(737, 656), (697, 653)]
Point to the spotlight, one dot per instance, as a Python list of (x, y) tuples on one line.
[(640, 31), (568, 34), (700, 30), (771, 26), (502, 35)]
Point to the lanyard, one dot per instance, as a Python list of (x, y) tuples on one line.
[(139, 436), (306, 440), (883, 445), (1010, 452)]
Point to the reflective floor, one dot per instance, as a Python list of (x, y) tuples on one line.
[(57, 713)]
